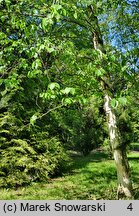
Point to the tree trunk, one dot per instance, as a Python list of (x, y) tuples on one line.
[(119, 151)]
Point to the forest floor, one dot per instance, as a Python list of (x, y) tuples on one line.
[(88, 178)]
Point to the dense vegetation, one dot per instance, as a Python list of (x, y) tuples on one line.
[(89, 178), (51, 97)]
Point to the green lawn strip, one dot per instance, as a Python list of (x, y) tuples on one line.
[(92, 177)]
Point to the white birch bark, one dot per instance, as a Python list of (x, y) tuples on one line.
[(124, 183)]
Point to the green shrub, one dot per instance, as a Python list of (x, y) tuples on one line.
[(21, 163)]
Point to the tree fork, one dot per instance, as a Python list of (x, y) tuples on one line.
[(119, 153)]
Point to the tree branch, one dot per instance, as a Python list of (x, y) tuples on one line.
[(50, 110), (74, 22)]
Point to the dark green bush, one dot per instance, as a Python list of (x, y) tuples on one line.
[(27, 154), (22, 163)]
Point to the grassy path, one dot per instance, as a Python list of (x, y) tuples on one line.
[(89, 178)]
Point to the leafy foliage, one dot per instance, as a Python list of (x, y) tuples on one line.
[(51, 96), (27, 156)]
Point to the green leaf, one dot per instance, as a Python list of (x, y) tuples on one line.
[(44, 23), (68, 90), (75, 15), (124, 68), (50, 49), (113, 58), (53, 86), (36, 64), (34, 73), (47, 22), (84, 100), (68, 101), (33, 119), (57, 6), (64, 12), (122, 100), (100, 72), (114, 103)]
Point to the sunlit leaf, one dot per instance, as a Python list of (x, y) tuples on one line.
[(122, 100), (54, 85), (114, 103), (68, 90), (33, 119)]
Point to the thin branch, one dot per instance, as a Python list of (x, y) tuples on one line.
[(75, 22), (50, 110), (37, 102)]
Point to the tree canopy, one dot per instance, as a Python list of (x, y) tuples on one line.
[(52, 71)]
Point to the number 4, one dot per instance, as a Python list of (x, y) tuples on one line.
[(130, 207)]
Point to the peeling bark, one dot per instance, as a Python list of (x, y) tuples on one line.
[(119, 153)]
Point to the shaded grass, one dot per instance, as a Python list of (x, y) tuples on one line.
[(88, 178)]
